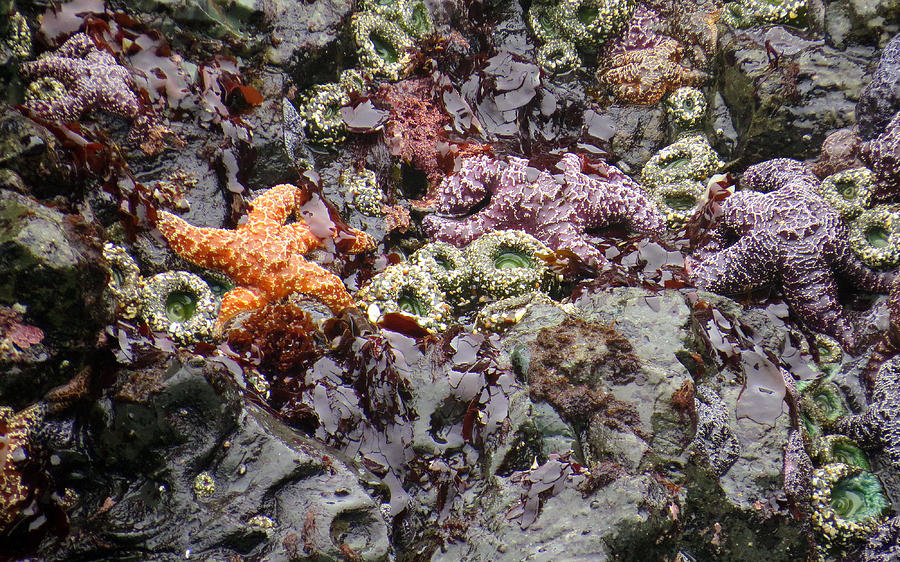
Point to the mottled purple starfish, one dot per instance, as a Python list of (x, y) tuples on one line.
[(878, 123), (878, 426), (92, 78), (881, 154), (788, 235), (880, 100), (555, 209), (884, 545), (797, 471)]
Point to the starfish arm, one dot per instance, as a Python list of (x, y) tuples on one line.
[(775, 174), (458, 232), (60, 68), (113, 94), (891, 449), (299, 231), (862, 428), (354, 241), (736, 269), (206, 247), (459, 192), (236, 301), (739, 213), (885, 349), (640, 93), (274, 206), (860, 275), (810, 290), (63, 108), (311, 279), (565, 235), (347, 240), (76, 46), (636, 209)]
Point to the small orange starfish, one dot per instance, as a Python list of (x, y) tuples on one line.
[(264, 256)]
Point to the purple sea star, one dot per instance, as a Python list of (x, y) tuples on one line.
[(555, 209), (797, 471), (889, 345), (884, 545), (92, 77), (878, 426), (788, 235), (880, 100), (881, 154), (878, 123)]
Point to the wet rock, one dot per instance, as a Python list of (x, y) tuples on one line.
[(786, 93), (610, 387), (31, 153), (639, 132), (305, 38), (238, 23), (265, 161), (873, 19), (726, 509), (611, 524), (188, 182), (182, 467), (52, 266), (724, 138), (510, 31)]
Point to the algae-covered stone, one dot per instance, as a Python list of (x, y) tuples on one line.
[(787, 111), (225, 477), (50, 268)]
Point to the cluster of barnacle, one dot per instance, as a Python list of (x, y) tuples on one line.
[(677, 175), (363, 188), (564, 26), (874, 228), (180, 303), (848, 501), (501, 273), (744, 13)]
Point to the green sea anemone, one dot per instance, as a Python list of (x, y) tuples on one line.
[(849, 191), (368, 198), (686, 108), (875, 236), (181, 304), (690, 158), (558, 56), (591, 23), (678, 201), (383, 47), (407, 289), (848, 505), (447, 265), (506, 263), (841, 449), (823, 402), (124, 280)]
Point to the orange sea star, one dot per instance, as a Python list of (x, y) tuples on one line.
[(264, 256)]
